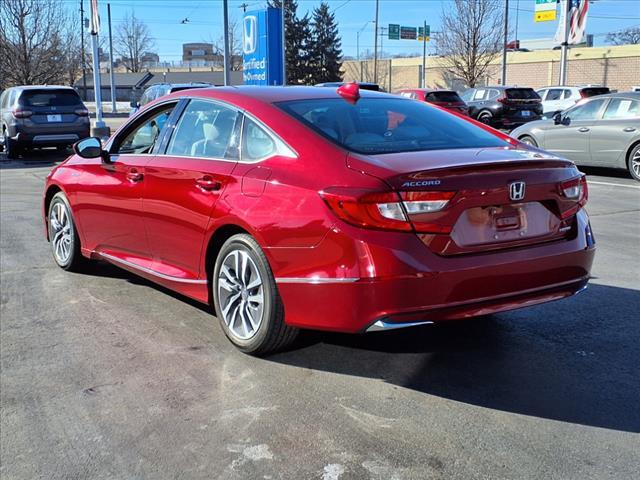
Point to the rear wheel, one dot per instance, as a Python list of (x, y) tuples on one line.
[(485, 117), (634, 162), (10, 148), (528, 140), (65, 243), (246, 298)]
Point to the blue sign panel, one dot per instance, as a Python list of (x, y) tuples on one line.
[(262, 47)]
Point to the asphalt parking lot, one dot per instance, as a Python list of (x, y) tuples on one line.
[(104, 375)]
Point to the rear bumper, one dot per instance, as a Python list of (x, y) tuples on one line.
[(50, 135), (429, 288)]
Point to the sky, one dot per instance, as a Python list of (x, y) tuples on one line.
[(354, 17)]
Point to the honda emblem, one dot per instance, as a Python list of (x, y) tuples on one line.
[(250, 35), (516, 191)]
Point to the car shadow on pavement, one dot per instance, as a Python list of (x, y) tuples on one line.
[(47, 157), (574, 361), (605, 172)]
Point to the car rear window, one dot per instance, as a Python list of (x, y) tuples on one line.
[(388, 125), (451, 97), (593, 91), (49, 98), (522, 94)]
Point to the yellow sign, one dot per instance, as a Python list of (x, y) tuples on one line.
[(547, 16), (420, 39)]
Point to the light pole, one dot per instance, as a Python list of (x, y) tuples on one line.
[(375, 45), (227, 55), (358, 38), (111, 76), (504, 44), (565, 43)]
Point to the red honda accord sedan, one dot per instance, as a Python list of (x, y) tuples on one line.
[(331, 209)]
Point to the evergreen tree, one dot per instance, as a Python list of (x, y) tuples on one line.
[(297, 43), (326, 51)]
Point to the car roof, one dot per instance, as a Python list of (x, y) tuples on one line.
[(633, 95), (269, 94), (43, 87), (425, 90)]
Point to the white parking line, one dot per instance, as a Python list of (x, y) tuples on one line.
[(591, 182)]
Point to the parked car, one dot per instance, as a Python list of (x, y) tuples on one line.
[(602, 131), (363, 85), (556, 99), (443, 98), (41, 116), (287, 208), (161, 89), (503, 107)]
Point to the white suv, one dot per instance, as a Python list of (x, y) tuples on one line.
[(557, 99)]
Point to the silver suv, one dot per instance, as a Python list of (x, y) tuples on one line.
[(41, 116)]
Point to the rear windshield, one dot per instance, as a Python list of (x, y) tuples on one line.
[(49, 98), (522, 94), (388, 125), (188, 87), (443, 97), (593, 91)]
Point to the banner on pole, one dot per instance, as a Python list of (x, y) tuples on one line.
[(577, 21), (545, 10), (94, 25)]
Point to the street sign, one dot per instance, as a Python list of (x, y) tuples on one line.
[(422, 34), (408, 33), (545, 10), (262, 47), (394, 31)]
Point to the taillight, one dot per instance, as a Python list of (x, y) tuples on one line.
[(19, 113), (503, 100), (386, 210), (576, 191), (81, 112)]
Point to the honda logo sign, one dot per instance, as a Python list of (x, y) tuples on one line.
[(250, 35), (516, 191)]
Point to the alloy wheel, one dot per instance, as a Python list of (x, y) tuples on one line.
[(62, 235), (241, 294), (635, 163)]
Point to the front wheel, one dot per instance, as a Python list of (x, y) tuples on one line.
[(246, 298), (485, 117), (528, 140), (65, 243), (634, 162)]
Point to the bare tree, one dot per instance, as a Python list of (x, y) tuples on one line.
[(627, 36), (471, 37), (132, 40), (34, 36), (235, 45)]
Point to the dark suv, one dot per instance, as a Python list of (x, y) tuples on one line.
[(41, 116), (503, 107)]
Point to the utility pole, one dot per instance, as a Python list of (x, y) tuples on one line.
[(565, 43), (284, 45), (99, 129), (504, 43), (114, 108), (375, 45), (82, 59), (227, 55), (424, 55)]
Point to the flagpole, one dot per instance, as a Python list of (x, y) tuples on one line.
[(564, 50)]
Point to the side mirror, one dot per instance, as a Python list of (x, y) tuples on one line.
[(134, 104), (89, 148), (557, 118)]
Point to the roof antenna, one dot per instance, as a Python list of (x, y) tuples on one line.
[(349, 91)]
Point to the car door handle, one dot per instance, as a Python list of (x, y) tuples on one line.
[(583, 129), (629, 129), (208, 184), (134, 175)]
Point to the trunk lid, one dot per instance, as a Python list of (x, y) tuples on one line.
[(504, 197)]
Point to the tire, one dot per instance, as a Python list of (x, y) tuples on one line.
[(10, 148), (485, 116), (528, 140), (634, 162), (63, 235), (248, 305)]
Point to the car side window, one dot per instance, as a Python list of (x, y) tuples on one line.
[(206, 129), (586, 111), (567, 94), (541, 93), (554, 94), (256, 143), (143, 137), (479, 94), (493, 94), (622, 108), (467, 95)]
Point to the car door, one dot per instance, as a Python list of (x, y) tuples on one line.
[(184, 183), (109, 199), (570, 137), (615, 132)]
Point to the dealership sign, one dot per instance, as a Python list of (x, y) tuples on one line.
[(262, 47), (545, 10)]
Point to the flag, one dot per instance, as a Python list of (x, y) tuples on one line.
[(94, 26), (577, 21)]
